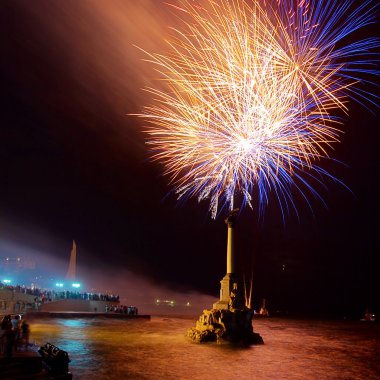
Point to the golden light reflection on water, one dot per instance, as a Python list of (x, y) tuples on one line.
[(158, 349)]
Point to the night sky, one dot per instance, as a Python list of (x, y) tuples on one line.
[(74, 165)]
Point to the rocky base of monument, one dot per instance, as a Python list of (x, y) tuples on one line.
[(233, 326)]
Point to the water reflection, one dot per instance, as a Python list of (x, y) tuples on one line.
[(114, 349), (80, 323)]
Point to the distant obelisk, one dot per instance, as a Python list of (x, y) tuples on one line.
[(71, 271)]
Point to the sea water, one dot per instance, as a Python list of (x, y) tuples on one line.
[(159, 349)]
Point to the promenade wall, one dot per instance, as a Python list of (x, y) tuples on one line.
[(15, 302), (77, 305)]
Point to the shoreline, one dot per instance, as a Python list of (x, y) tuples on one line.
[(82, 314)]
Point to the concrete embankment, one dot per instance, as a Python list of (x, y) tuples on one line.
[(82, 314), (77, 305), (22, 365), (19, 302), (12, 301)]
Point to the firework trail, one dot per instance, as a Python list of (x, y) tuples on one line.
[(249, 93)]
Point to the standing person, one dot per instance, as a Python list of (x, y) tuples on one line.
[(4, 323), (16, 326), (10, 339), (25, 332)]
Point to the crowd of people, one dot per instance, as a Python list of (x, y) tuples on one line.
[(14, 335), (52, 295), (42, 296), (130, 310), (45, 295)]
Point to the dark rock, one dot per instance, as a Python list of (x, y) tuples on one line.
[(233, 326)]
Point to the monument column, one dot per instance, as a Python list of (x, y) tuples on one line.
[(71, 271), (230, 245), (229, 319), (229, 281)]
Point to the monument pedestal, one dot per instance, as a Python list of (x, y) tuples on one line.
[(229, 319), (233, 326), (227, 286)]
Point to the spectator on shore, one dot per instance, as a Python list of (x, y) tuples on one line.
[(15, 322), (25, 332), (41, 296), (16, 327), (9, 343), (6, 321)]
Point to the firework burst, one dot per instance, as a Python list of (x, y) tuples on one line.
[(249, 94)]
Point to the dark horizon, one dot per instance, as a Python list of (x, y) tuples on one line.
[(74, 166)]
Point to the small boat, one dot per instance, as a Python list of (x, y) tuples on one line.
[(368, 317)]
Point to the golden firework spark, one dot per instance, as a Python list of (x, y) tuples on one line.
[(249, 94)]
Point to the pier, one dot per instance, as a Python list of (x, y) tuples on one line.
[(22, 365), (82, 314), (14, 301)]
